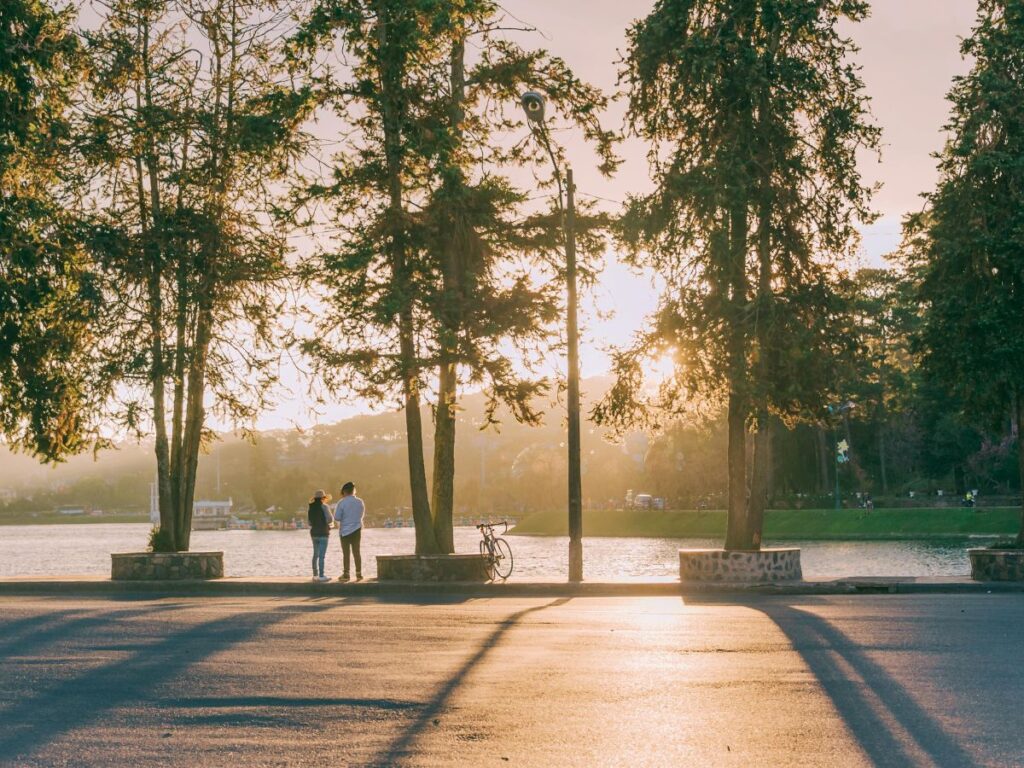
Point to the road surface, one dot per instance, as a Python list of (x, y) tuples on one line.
[(887, 680)]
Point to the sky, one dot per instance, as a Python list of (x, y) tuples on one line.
[(909, 56)]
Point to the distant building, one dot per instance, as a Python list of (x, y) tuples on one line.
[(210, 515), (71, 510)]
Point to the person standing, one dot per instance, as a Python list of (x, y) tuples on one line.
[(319, 515), (349, 513)]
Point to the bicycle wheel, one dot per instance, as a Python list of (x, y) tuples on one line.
[(485, 550), (502, 558)]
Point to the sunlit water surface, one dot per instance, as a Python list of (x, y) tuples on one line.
[(51, 550)]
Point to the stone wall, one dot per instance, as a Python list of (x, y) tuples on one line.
[(997, 564), (166, 566), (749, 567), (432, 568)]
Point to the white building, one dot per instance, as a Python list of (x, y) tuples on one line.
[(210, 515)]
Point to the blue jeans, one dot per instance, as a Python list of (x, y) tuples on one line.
[(319, 553)]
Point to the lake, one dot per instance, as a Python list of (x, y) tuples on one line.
[(84, 549)]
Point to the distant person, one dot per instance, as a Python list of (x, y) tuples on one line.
[(349, 513), (320, 518)]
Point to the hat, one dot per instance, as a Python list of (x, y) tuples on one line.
[(320, 496)]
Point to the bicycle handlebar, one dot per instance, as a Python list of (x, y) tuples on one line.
[(492, 526)]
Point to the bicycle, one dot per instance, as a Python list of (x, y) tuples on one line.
[(496, 550)]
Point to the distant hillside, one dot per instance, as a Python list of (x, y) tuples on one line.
[(508, 469)]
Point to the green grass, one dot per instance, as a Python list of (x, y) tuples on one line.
[(786, 523)]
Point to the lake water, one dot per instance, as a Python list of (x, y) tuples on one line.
[(52, 550)]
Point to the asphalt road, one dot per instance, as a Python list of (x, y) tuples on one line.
[(913, 680)]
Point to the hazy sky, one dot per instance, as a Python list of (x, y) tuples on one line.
[(909, 53)]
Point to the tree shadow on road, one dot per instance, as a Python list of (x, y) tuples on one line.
[(35, 721), (32, 634), (400, 749), (869, 706)]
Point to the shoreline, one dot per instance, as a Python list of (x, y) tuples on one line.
[(953, 523), (848, 525)]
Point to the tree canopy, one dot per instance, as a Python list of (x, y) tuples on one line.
[(51, 389)]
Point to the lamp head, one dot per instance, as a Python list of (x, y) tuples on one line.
[(533, 106)]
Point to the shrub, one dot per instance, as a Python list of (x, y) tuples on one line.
[(160, 540)]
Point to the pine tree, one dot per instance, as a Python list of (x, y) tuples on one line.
[(371, 335), (431, 268), (969, 245), (497, 265), (755, 114)]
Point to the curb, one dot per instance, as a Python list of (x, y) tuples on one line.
[(372, 588)]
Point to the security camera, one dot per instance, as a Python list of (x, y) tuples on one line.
[(533, 105)]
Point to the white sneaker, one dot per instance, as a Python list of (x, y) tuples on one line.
[(323, 578), (316, 578)]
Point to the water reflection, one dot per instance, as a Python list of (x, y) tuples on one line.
[(85, 549)]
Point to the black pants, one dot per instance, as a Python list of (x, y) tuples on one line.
[(350, 547)]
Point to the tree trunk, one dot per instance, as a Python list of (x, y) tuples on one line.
[(163, 469), (759, 485), (821, 442), (737, 534), (178, 406), (453, 257), (736, 530), (882, 460), (959, 481), (391, 98), (426, 542), (443, 499), (155, 243), (193, 433), (763, 320)]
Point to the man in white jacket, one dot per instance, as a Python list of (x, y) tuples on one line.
[(349, 514)]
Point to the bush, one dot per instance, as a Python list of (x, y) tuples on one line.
[(160, 540)]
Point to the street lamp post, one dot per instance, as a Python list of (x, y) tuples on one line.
[(533, 105)]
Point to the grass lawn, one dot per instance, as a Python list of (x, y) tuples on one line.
[(786, 523)]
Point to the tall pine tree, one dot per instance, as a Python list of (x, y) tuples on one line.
[(969, 245), (755, 113)]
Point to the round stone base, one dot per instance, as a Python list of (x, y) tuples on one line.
[(166, 566), (997, 564), (739, 566), (432, 568)]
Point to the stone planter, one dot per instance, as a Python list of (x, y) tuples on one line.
[(746, 567), (432, 568), (997, 564), (166, 566)]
